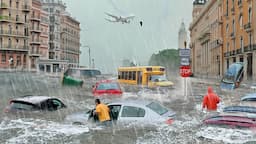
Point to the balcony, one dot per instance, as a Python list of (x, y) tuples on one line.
[(34, 53), (35, 41), (21, 48), (12, 33), (26, 8), (35, 29), (232, 35), (248, 27), (226, 54), (6, 19), (239, 51), (35, 18), (248, 48), (20, 21), (3, 6)]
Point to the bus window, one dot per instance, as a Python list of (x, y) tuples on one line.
[(133, 75), (139, 77), (130, 75)]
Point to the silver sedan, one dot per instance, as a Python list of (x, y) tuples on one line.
[(129, 111)]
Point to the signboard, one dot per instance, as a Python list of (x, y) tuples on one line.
[(184, 61), (183, 52), (185, 71)]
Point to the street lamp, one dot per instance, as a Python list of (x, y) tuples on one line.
[(89, 52)]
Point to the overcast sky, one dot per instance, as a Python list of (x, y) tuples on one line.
[(110, 43)]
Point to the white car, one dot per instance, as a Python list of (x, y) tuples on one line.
[(129, 111), (253, 86)]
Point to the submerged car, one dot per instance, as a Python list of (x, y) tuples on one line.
[(107, 87), (127, 111), (34, 103), (239, 120), (233, 77), (76, 76)]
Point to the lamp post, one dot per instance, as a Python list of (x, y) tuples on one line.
[(89, 52)]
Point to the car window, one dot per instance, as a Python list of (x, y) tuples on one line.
[(156, 107), (129, 111), (249, 99), (22, 106), (54, 104), (108, 86)]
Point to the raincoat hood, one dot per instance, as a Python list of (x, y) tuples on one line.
[(210, 90)]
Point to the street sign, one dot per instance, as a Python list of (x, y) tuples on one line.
[(184, 61), (184, 52), (185, 71)]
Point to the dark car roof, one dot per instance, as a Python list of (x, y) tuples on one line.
[(32, 99)]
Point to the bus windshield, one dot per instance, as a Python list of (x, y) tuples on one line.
[(158, 78)]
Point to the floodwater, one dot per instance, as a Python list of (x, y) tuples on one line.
[(50, 127)]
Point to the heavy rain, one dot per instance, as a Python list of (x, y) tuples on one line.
[(140, 59)]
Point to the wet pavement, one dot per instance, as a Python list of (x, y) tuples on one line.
[(50, 127)]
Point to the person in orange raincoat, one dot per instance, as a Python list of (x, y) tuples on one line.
[(211, 100)]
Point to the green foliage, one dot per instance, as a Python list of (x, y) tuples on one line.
[(168, 58)]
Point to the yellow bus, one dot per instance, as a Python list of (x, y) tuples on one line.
[(149, 76)]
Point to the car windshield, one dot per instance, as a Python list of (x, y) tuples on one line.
[(158, 78), (108, 86), (89, 73), (22, 105), (157, 108), (232, 73)]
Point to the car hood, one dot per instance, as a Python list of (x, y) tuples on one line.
[(170, 113), (164, 83)]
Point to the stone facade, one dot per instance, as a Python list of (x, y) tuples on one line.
[(206, 38)]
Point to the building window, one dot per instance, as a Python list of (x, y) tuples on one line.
[(3, 57), (250, 15), (241, 21), (227, 27), (228, 47), (242, 43), (9, 43), (10, 3), (234, 44), (227, 7), (17, 4), (233, 26), (250, 40)]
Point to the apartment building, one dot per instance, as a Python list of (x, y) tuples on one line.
[(70, 40), (206, 38), (14, 33)]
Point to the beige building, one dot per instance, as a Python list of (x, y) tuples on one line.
[(70, 40), (206, 38), (44, 36), (14, 33)]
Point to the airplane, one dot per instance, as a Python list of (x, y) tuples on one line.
[(120, 18)]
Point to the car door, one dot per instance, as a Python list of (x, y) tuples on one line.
[(132, 114), (54, 104), (114, 112)]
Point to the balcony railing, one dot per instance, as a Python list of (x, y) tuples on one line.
[(20, 21), (6, 18), (239, 51), (12, 33), (26, 8), (35, 52), (36, 17), (3, 6), (14, 47), (233, 10), (248, 27), (35, 41), (35, 29)]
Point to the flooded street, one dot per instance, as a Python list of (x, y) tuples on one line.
[(51, 127)]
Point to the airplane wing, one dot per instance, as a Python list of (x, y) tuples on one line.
[(110, 20), (129, 17), (112, 15)]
